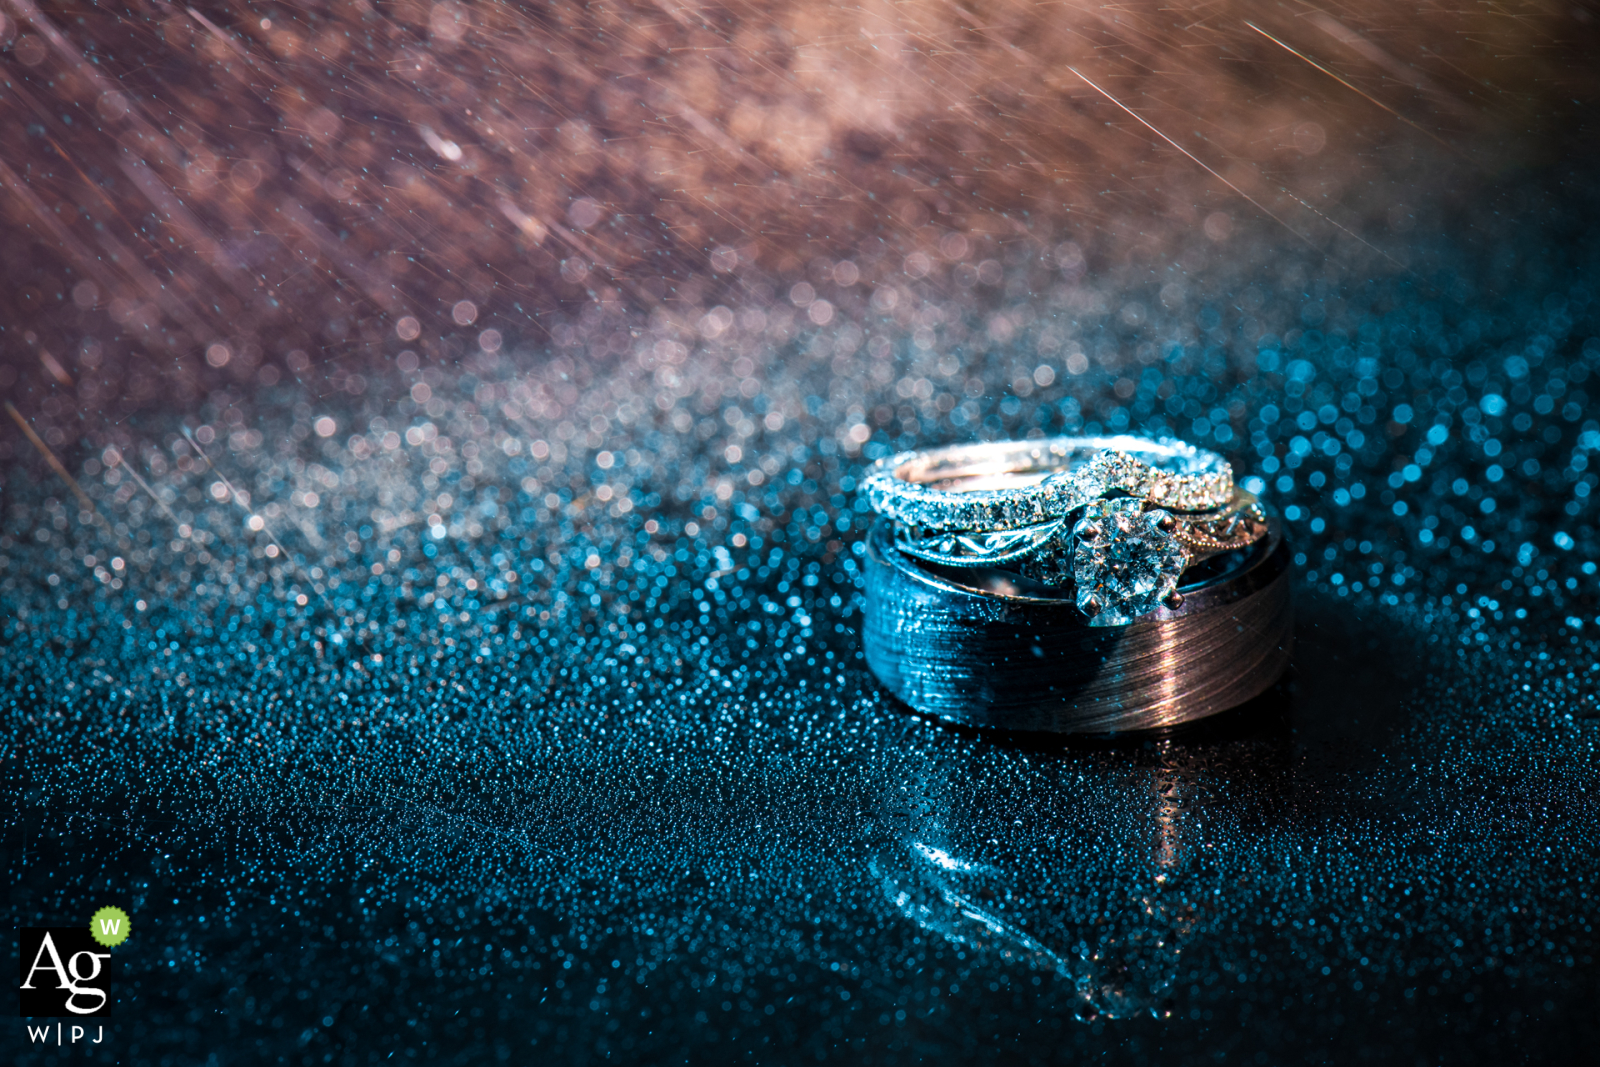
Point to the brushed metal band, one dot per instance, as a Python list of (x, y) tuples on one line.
[(985, 649)]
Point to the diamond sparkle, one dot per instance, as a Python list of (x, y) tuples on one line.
[(1125, 564)]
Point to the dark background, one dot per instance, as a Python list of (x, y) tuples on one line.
[(481, 681)]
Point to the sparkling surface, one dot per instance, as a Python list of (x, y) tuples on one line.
[(531, 711), (1129, 565), (453, 656)]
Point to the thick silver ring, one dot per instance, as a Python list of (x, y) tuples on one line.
[(986, 648), (1009, 485)]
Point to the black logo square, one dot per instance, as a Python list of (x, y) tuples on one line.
[(63, 975)]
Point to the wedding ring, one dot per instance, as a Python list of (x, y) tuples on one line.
[(1124, 556), (1111, 521), (1008, 485), (988, 648)]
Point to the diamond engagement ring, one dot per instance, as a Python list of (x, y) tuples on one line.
[(1118, 518)]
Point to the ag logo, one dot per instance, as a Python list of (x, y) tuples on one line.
[(64, 971)]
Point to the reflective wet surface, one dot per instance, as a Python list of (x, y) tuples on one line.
[(664, 847), (472, 687)]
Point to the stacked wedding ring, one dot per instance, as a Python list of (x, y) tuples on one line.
[(1075, 583), (1119, 518)]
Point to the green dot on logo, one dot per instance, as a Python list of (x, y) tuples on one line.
[(110, 926)]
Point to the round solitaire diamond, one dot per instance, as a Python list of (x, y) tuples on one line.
[(1125, 564)]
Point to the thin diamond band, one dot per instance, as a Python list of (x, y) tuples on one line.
[(1014, 484)]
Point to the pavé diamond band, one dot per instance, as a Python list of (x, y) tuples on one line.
[(1118, 518), (1006, 485)]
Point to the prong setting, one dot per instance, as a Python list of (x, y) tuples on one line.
[(1131, 567)]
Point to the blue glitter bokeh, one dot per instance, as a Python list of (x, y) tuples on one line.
[(431, 548), (513, 707)]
